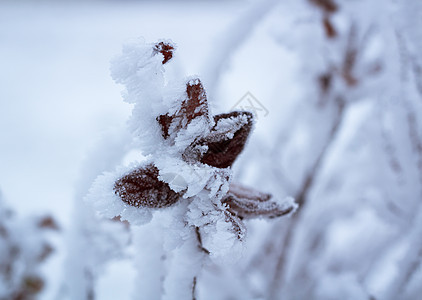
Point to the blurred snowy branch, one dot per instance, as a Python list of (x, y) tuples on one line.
[(24, 248)]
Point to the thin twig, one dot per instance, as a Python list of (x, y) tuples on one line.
[(194, 288), (199, 238), (301, 199)]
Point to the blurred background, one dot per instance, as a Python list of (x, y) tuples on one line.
[(336, 88)]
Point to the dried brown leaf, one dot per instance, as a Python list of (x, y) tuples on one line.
[(142, 188), (195, 105), (328, 6), (166, 49), (223, 152), (49, 223), (246, 202)]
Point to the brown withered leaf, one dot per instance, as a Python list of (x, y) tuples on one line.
[(31, 285), (142, 188), (223, 151), (195, 105), (246, 202), (328, 6), (166, 49), (49, 223), (224, 143)]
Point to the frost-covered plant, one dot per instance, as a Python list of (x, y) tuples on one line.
[(185, 179), (23, 249)]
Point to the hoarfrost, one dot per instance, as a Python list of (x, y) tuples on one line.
[(184, 185)]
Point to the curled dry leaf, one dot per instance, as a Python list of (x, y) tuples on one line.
[(246, 202), (224, 147), (142, 188)]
